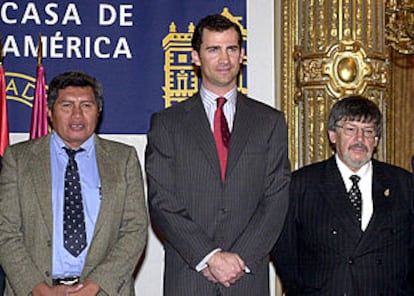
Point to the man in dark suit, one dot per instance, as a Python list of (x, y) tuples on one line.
[(346, 239), (39, 252), (219, 214)]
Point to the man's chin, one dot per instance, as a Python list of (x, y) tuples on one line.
[(357, 163)]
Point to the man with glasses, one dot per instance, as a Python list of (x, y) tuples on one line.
[(349, 228)]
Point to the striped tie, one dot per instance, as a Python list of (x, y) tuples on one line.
[(221, 135)]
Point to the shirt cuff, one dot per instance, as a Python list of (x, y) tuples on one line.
[(203, 263)]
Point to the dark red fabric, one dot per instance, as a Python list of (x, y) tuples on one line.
[(221, 135)]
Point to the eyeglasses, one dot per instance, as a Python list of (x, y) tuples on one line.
[(351, 131)]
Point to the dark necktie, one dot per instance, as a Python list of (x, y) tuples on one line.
[(74, 234), (355, 196), (221, 135)]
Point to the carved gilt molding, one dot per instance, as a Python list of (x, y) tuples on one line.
[(334, 49)]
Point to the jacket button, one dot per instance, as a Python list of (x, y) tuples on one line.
[(350, 261)]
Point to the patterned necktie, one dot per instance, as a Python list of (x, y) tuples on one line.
[(221, 135), (74, 234), (355, 196)]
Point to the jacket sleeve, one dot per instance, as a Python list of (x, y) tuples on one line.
[(168, 214), (265, 225), (22, 273), (285, 251), (116, 268)]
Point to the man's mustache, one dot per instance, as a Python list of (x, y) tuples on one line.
[(358, 146)]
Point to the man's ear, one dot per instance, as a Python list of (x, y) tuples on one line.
[(196, 58), (332, 136), (49, 116), (376, 139), (241, 55), (49, 113)]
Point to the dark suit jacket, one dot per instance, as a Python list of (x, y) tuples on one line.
[(26, 218), (197, 213), (322, 250)]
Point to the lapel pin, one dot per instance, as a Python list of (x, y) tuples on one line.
[(387, 192)]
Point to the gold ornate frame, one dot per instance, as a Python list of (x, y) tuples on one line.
[(331, 49)]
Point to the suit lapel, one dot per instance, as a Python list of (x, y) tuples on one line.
[(240, 133), (381, 194), (108, 177), (333, 190), (199, 128), (40, 171), (382, 197)]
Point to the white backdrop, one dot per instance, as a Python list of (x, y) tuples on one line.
[(262, 86)]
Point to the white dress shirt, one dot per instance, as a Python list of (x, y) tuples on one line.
[(365, 185)]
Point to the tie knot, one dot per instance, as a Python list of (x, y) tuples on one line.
[(71, 153), (355, 179), (221, 101)]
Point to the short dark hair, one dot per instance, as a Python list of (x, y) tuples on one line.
[(214, 22), (355, 108), (74, 78)]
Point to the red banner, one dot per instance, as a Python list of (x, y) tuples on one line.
[(39, 125), (4, 119)]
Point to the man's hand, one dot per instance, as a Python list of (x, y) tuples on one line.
[(89, 288), (227, 268), (43, 289), (207, 273)]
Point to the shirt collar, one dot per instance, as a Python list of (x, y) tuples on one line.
[(209, 97), (347, 172), (58, 143)]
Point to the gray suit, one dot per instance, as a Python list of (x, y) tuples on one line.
[(196, 213), (26, 218)]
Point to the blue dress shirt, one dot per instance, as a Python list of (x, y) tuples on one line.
[(64, 264)]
